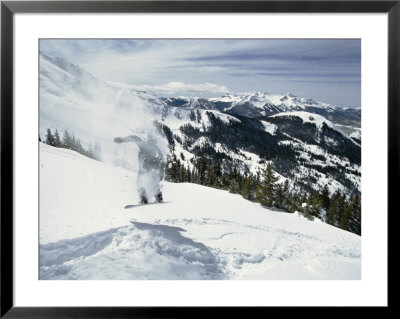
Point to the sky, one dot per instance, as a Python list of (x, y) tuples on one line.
[(327, 70)]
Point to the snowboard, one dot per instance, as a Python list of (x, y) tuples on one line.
[(142, 204)]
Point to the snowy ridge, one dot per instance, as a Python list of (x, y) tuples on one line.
[(65, 65), (223, 237), (319, 121), (227, 98), (273, 102), (259, 104), (307, 117)]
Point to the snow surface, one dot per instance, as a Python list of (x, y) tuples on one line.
[(269, 127), (198, 233)]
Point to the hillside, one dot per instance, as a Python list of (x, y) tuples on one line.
[(198, 233), (311, 152)]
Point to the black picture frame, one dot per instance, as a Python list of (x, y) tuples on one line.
[(9, 8)]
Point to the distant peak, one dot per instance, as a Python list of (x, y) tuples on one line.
[(259, 93)]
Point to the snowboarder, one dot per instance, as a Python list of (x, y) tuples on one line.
[(151, 167)]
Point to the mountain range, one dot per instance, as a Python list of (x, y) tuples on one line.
[(262, 104)]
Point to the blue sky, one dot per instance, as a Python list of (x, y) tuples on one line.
[(326, 70)]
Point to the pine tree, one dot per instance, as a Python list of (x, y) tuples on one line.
[(57, 139), (182, 174), (234, 187), (314, 205), (246, 188), (341, 210), (209, 179), (67, 141), (294, 203), (282, 197), (216, 172), (287, 196), (240, 180), (255, 183), (266, 192), (202, 168), (335, 210), (325, 198), (50, 140), (279, 196), (354, 224), (345, 216)]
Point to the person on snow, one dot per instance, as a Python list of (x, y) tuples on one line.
[(151, 167)]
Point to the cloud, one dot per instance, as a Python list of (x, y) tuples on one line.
[(320, 67), (180, 88)]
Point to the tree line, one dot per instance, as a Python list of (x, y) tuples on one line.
[(336, 208), (69, 141)]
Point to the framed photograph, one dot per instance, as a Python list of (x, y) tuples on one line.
[(163, 155)]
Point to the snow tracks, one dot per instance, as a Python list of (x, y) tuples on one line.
[(137, 251)]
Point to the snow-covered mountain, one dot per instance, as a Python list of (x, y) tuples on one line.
[(246, 131), (261, 104), (199, 233), (303, 147), (270, 103)]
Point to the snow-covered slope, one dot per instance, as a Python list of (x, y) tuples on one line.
[(199, 233), (307, 117)]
